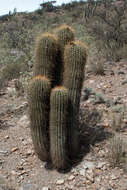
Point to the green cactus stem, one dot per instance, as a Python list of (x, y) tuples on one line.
[(58, 127), (39, 105), (75, 56), (46, 49), (65, 35)]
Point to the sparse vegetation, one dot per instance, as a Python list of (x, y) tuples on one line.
[(106, 22), (116, 154)]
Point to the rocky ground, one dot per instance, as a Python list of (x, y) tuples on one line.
[(21, 168)]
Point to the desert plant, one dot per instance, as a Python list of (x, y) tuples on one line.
[(116, 154), (45, 57), (74, 64), (65, 35), (11, 71), (58, 127), (64, 100), (39, 98), (106, 23), (117, 121)]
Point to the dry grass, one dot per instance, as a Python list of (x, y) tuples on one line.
[(116, 154)]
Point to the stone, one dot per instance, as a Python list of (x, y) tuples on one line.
[(89, 165), (14, 149), (90, 175), (45, 188), (29, 152), (114, 177), (91, 81), (60, 182), (82, 172), (100, 165), (3, 151), (71, 177)]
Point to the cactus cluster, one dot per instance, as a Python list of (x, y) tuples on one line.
[(54, 96)]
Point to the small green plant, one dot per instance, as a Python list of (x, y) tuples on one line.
[(59, 102), (39, 98)]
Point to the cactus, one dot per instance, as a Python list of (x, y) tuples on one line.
[(75, 56), (65, 35), (58, 127), (46, 57), (39, 98), (54, 118)]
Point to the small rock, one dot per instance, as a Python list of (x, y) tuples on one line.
[(20, 168), (6, 137), (60, 182), (91, 81), (82, 172), (45, 188), (100, 165), (90, 176), (3, 151), (71, 177), (89, 165), (29, 152), (14, 149), (113, 177), (88, 182)]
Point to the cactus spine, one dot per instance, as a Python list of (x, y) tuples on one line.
[(74, 63), (39, 98), (45, 57), (58, 127)]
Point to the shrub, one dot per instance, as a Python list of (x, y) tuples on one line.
[(11, 71), (107, 22), (116, 154)]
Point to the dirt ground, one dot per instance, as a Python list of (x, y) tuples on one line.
[(20, 166)]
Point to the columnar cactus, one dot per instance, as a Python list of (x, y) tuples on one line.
[(74, 63), (46, 49), (58, 127), (54, 110), (39, 105)]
